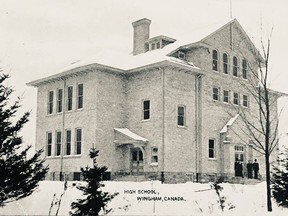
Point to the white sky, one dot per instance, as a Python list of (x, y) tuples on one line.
[(39, 37)]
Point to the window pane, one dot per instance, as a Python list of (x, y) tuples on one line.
[(58, 143), (226, 96), (225, 63), (80, 96), (215, 60), (49, 144), (215, 93), (78, 141), (59, 100), (211, 149), (50, 103), (69, 98), (68, 142), (235, 66), (140, 155), (146, 109)]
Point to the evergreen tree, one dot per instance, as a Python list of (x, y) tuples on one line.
[(96, 200), (280, 181), (19, 175)]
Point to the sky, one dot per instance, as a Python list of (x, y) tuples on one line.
[(40, 37)]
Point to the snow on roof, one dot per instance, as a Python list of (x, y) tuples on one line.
[(130, 134), (120, 60), (229, 123)]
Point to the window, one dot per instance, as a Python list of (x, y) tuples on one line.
[(78, 141), (235, 66), (245, 100), (59, 100), (80, 96), (58, 143), (49, 144), (50, 102), (239, 153), (215, 60), (146, 109), (153, 46), (215, 93), (225, 96), (181, 116), (68, 142), (158, 45), (181, 55), (225, 63), (69, 98), (211, 150), (236, 98), (154, 154), (244, 69)]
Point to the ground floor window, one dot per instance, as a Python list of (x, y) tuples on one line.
[(49, 144), (154, 153), (78, 140), (58, 143)]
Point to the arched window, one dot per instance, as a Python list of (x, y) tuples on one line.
[(244, 69), (235, 66), (225, 63), (215, 60)]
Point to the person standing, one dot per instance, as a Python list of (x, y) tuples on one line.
[(256, 169), (250, 169)]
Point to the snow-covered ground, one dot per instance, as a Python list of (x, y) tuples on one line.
[(193, 199)]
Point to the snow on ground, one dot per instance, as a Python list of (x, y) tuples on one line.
[(194, 199)]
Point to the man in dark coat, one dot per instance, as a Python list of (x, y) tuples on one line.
[(255, 169), (249, 169)]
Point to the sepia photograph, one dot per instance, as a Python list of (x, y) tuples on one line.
[(143, 107)]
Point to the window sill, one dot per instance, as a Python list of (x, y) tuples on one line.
[(182, 127), (145, 120), (212, 159), (154, 164), (64, 156)]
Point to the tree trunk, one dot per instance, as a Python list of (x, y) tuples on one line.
[(268, 189)]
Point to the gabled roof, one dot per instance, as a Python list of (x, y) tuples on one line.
[(201, 41)]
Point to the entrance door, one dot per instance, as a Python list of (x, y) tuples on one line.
[(136, 161)]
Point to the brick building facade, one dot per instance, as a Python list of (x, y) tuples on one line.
[(170, 108)]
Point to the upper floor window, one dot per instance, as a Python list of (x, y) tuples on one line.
[(158, 45), (236, 98), (226, 96), (211, 148), (215, 93), (215, 60), (153, 46), (245, 101), (146, 109), (80, 96), (58, 143), (181, 115), (49, 144), (59, 100), (78, 141), (181, 55), (50, 102), (68, 142), (225, 63), (69, 97), (235, 66), (244, 69)]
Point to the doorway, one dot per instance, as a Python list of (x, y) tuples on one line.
[(137, 162)]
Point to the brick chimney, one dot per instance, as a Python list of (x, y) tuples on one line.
[(141, 35)]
